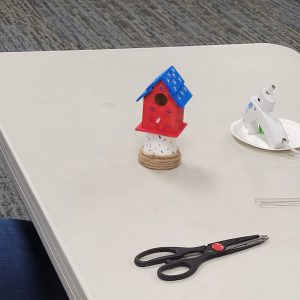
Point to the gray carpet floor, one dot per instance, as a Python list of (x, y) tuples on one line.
[(32, 25)]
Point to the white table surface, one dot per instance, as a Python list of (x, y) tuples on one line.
[(67, 122)]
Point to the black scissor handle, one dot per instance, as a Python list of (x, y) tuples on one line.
[(176, 253), (191, 265), (158, 260)]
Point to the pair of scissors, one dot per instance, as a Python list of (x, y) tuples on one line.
[(192, 258)]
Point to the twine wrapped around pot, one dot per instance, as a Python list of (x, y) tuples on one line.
[(156, 162)]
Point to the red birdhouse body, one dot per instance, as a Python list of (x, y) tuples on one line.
[(161, 115), (163, 107)]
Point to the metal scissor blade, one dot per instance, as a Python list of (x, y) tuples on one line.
[(246, 244)]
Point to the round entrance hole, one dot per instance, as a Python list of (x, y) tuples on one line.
[(160, 99)]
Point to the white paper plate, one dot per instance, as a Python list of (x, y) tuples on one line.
[(292, 129)]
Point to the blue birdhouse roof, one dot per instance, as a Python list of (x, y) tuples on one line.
[(175, 84)]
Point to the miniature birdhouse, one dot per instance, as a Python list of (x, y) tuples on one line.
[(163, 110), (164, 102)]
